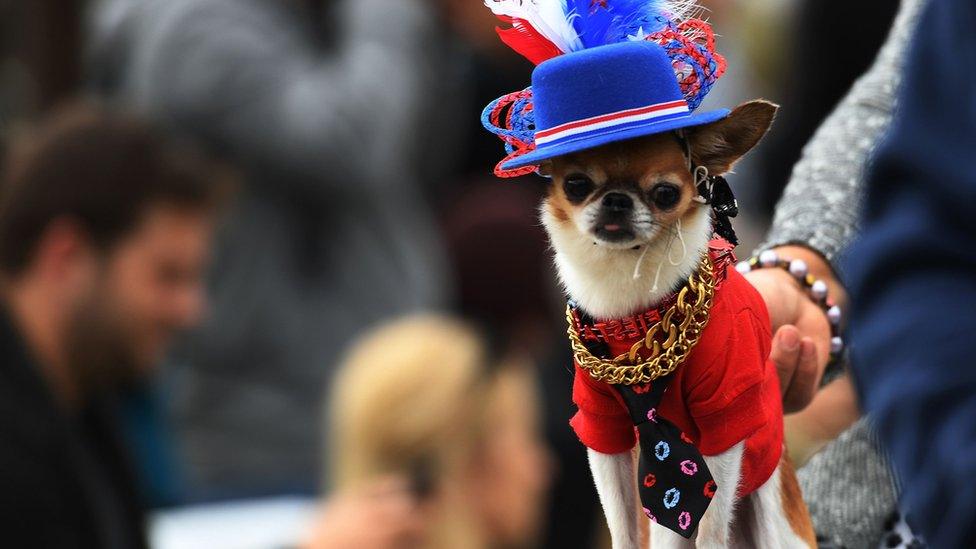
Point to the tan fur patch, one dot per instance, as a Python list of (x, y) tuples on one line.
[(558, 205), (793, 504), (560, 214)]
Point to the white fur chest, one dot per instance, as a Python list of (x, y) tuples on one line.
[(612, 283)]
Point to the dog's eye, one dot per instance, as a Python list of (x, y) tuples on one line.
[(665, 195), (577, 187)]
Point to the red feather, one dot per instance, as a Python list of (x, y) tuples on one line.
[(527, 41)]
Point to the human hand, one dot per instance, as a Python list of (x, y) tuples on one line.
[(382, 515), (832, 412), (801, 332)]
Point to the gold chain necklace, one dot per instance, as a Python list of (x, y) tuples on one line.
[(681, 326)]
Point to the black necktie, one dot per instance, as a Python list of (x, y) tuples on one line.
[(674, 483)]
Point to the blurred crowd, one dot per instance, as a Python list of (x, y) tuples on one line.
[(260, 287)]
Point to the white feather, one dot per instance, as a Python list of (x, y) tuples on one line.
[(546, 16), (681, 10)]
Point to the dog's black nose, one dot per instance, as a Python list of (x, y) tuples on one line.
[(617, 202)]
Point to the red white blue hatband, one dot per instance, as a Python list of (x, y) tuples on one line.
[(580, 128)]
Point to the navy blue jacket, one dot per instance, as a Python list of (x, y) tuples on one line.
[(913, 280)]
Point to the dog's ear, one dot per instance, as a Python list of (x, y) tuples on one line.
[(718, 145)]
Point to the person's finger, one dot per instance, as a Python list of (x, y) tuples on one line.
[(377, 515), (395, 507), (403, 524), (806, 378), (411, 533), (786, 355), (386, 486), (400, 508)]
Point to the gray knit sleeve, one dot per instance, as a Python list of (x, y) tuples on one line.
[(821, 203)]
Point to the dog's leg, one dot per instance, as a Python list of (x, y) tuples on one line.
[(662, 538), (616, 484), (780, 518), (715, 527)]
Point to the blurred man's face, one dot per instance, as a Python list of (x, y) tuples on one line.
[(146, 289)]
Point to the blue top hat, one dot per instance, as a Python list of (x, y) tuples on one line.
[(603, 95)]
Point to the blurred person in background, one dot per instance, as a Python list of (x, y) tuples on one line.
[(324, 106), (846, 479), (105, 231), (425, 399)]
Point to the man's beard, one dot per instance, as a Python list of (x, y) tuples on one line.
[(100, 347)]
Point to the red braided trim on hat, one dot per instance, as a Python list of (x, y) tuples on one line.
[(519, 146), (694, 35)]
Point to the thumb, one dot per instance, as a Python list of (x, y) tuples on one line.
[(786, 354)]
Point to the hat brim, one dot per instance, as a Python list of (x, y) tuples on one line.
[(613, 135)]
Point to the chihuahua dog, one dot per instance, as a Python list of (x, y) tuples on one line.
[(611, 211)]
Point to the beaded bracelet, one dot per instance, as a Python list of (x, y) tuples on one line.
[(816, 289)]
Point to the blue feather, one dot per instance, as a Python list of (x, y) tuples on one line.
[(601, 22)]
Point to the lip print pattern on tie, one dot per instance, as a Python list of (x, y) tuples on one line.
[(662, 451), (684, 520), (689, 467), (642, 389), (649, 480), (710, 489), (650, 515), (671, 498), (652, 415)]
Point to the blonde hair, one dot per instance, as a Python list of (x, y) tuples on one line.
[(411, 393)]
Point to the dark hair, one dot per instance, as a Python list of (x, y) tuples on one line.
[(101, 170)]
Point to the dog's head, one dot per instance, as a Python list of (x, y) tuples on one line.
[(627, 194)]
